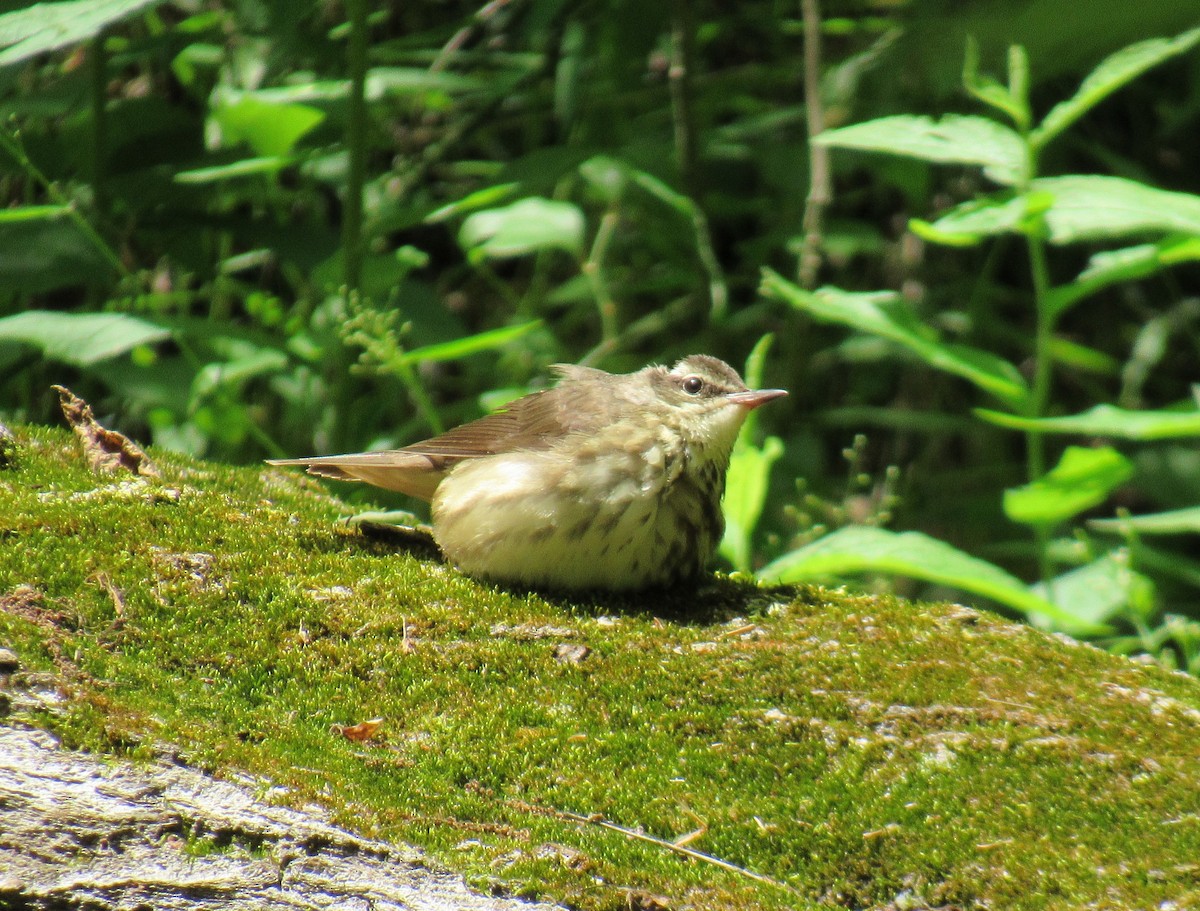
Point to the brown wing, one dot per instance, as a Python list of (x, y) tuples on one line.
[(534, 422)]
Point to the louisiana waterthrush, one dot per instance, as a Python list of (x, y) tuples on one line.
[(605, 481)]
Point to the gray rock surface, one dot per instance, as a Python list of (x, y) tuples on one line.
[(80, 831)]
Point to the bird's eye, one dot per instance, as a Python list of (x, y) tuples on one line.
[(692, 385)]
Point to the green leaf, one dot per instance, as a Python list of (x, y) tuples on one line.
[(1101, 591), (1113, 72), (271, 129), (32, 213), (1127, 264), (80, 339), (480, 199), (1082, 208), (472, 344), (745, 494), (396, 81), (1096, 207), (954, 139), (859, 549), (991, 92), (967, 224), (1171, 522), (1082, 479), (1106, 421), (247, 167), (231, 374), (43, 27), (42, 254), (886, 315), (526, 226)]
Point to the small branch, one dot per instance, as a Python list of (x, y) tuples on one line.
[(820, 191)]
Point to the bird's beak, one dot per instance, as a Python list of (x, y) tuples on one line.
[(752, 398)]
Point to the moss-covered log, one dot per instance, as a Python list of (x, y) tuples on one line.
[(855, 751)]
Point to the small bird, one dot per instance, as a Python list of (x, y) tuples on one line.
[(604, 482)]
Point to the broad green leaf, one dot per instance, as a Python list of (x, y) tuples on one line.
[(1127, 264), (859, 549), (1096, 208), (270, 129), (1113, 72), (43, 27), (32, 213), (1082, 479), (45, 253), (1101, 591), (1106, 421), (1082, 208), (954, 139), (886, 315), (745, 494), (969, 223), (472, 344), (1172, 522), (80, 338), (526, 226)]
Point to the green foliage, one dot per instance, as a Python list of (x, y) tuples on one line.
[(1083, 478), (259, 229), (1103, 584)]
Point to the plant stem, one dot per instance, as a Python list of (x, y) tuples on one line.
[(98, 79), (1042, 355), (683, 56), (1040, 395), (820, 185), (356, 135), (593, 271), (13, 146)]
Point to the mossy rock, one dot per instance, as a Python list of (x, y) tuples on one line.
[(850, 751)]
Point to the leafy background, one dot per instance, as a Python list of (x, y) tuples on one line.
[(251, 229)]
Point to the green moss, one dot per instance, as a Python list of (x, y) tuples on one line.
[(860, 750)]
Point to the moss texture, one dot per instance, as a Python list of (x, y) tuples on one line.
[(857, 751)]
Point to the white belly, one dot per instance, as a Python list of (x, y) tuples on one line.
[(532, 518)]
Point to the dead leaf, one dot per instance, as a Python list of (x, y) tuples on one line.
[(106, 450), (363, 731)]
